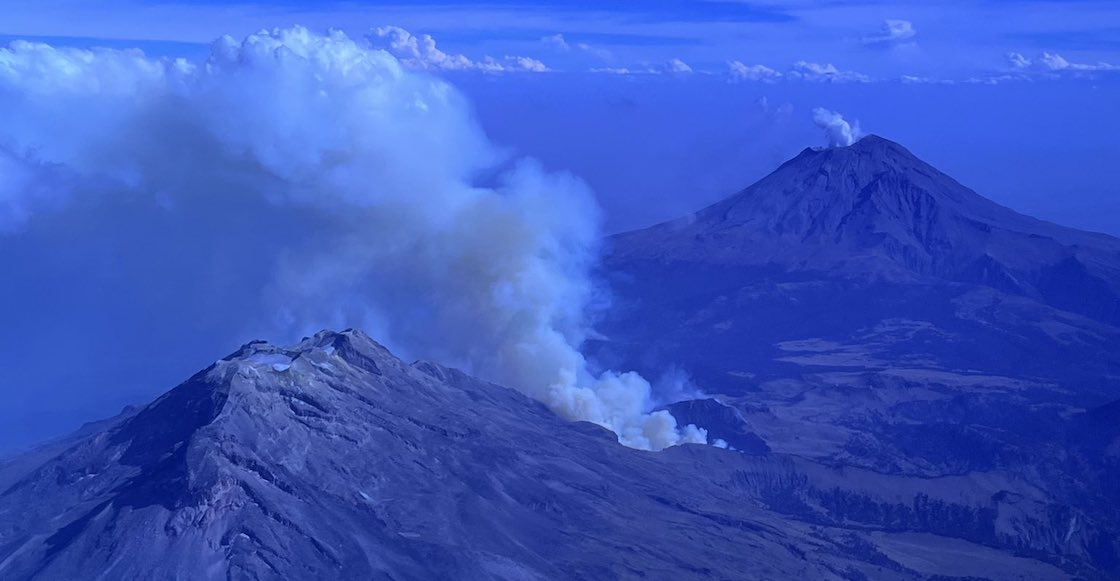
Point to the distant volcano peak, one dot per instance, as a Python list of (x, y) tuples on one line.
[(874, 183), (875, 210)]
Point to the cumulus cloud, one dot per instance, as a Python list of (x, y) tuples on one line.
[(523, 63), (800, 71), (1045, 66), (677, 66), (36, 67), (672, 67), (826, 73), (1055, 63), (894, 32), (993, 79), (919, 80), (560, 42), (616, 71), (421, 52), (556, 40), (760, 73), (1018, 61), (837, 130), (373, 171)]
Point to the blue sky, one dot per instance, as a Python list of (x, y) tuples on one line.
[(661, 107), (952, 39)]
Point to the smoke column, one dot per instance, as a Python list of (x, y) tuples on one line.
[(403, 221), (837, 130)]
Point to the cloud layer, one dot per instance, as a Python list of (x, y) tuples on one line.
[(404, 219), (740, 71), (421, 52), (800, 71), (1049, 62)]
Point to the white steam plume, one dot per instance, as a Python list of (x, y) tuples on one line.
[(382, 163), (837, 130)]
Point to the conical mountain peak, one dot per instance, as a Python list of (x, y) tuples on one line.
[(868, 159), (872, 193), (875, 210)]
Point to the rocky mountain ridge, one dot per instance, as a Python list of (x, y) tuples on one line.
[(332, 459)]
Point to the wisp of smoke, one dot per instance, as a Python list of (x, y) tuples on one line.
[(837, 130), (383, 165), (674, 385)]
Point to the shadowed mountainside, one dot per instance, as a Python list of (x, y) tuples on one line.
[(861, 310), (874, 211), (332, 459), (865, 257)]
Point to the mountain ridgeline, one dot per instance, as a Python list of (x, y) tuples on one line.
[(908, 381), (333, 459)]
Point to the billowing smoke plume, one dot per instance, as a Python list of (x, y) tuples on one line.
[(394, 214), (837, 130)]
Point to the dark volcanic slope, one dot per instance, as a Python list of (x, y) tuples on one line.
[(335, 460), (864, 311), (875, 211), (866, 243)]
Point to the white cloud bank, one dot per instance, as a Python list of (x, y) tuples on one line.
[(678, 67), (801, 71), (740, 71), (675, 67), (826, 73), (560, 42), (1049, 62), (380, 162), (421, 52)]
